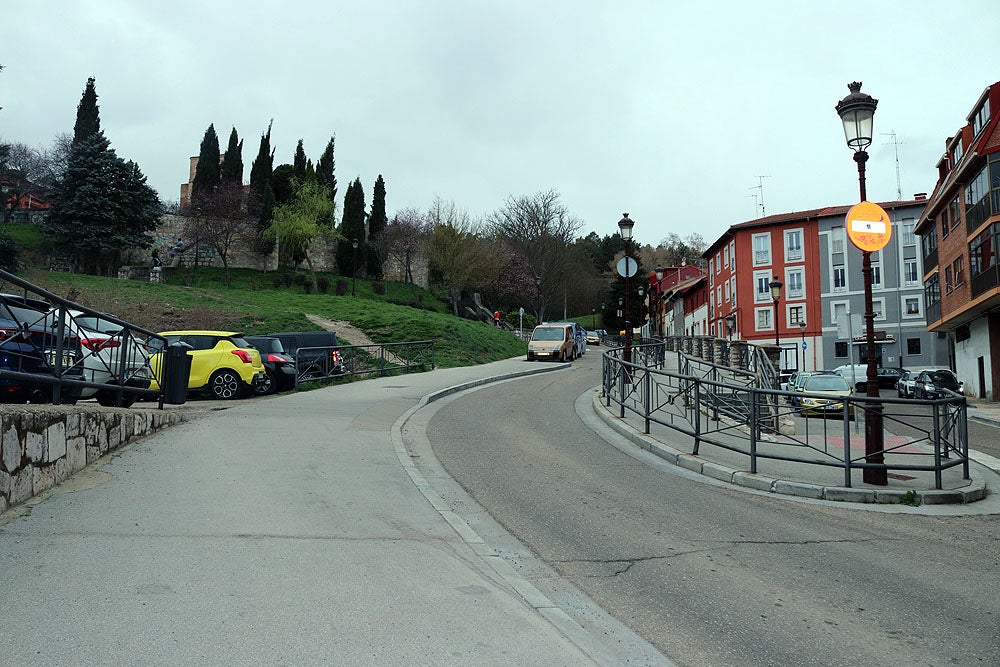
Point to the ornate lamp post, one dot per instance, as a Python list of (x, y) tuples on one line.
[(776, 286), (642, 304), (802, 325), (538, 288), (655, 304), (857, 112), (625, 226), (354, 264)]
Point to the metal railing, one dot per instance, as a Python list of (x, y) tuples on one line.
[(324, 364), (729, 408)]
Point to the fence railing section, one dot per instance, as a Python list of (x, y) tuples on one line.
[(733, 409), (323, 364)]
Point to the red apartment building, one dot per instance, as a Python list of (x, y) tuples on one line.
[(741, 266), (960, 234)]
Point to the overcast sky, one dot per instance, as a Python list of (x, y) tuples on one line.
[(671, 111)]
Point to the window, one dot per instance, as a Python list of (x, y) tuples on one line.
[(945, 228), (840, 349), (761, 249), (732, 283), (763, 280), (932, 290), (711, 269), (795, 284), (764, 321), (909, 238), (796, 314), (956, 153), (953, 212), (957, 272), (911, 305), (910, 276), (718, 263), (732, 255), (876, 272), (725, 256), (837, 239), (948, 285), (982, 250), (981, 118), (718, 294), (793, 245), (913, 346), (839, 279), (728, 291), (878, 308)]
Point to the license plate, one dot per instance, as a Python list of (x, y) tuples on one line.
[(52, 358)]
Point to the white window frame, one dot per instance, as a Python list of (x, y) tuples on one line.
[(728, 291), (718, 295), (789, 272), (761, 297), (801, 307), (718, 262), (725, 257), (732, 255), (833, 278), (878, 307), (909, 238), (797, 255), (757, 312), (916, 272), (762, 257), (837, 239), (732, 281), (920, 305), (833, 311)]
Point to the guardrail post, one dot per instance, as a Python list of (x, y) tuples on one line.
[(847, 441), (754, 425), (621, 392), (648, 398), (935, 411), (697, 415), (963, 434)]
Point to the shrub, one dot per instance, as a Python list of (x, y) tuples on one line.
[(379, 287), (279, 281), (299, 279), (323, 284)]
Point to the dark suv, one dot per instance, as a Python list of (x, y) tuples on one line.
[(316, 353), (30, 343), (279, 365)]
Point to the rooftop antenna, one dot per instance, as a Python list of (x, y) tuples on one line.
[(756, 203), (895, 147), (760, 186)]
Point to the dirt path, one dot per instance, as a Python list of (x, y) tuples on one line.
[(349, 334)]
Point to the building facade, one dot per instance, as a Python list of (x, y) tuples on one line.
[(959, 232)]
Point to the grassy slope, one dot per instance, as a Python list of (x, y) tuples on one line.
[(251, 304)]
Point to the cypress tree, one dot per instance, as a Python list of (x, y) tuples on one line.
[(232, 165), (325, 170), (262, 197), (299, 163), (352, 226), (206, 174), (377, 222), (88, 115)]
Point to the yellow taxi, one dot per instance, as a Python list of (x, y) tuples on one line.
[(223, 364)]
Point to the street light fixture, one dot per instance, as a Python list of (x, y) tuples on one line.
[(857, 113), (354, 264), (655, 305), (776, 286), (538, 288), (625, 226), (802, 325)]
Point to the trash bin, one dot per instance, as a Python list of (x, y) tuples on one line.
[(176, 371)]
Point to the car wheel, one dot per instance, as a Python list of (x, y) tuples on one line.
[(268, 385), (109, 399), (225, 385)]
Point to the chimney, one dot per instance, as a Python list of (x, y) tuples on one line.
[(920, 196)]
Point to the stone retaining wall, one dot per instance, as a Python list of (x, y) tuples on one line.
[(42, 446)]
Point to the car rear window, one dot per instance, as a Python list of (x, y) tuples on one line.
[(549, 333), (826, 383)]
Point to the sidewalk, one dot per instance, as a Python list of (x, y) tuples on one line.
[(293, 529)]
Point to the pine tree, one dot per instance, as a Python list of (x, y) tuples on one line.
[(88, 115), (232, 164), (262, 192), (377, 222), (352, 226), (325, 167), (299, 163), (101, 207), (206, 174)]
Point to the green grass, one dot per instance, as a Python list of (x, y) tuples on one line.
[(251, 304)]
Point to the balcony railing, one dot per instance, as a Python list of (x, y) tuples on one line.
[(978, 214), (934, 312), (930, 259), (987, 280)]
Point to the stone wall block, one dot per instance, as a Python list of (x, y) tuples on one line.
[(62, 470), (5, 483), (93, 453), (12, 449), (20, 488), (76, 453), (44, 478), (34, 446), (55, 442)]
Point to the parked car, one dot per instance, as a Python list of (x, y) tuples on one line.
[(887, 376), (937, 383), (102, 344), (279, 366), (825, 384), (30, 343), (316, 353), (593, 338), (552, 341), (223, 364), (797, 386), (905, 384)]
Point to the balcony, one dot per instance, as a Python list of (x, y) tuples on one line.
[(985, 281), (930, 259), (978, 214), (761, 257), (934, 312)]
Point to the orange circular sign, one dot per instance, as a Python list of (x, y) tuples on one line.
[(868, 226)]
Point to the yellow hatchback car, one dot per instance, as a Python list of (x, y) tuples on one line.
[(223, 364)]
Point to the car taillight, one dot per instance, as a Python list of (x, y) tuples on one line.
[(243, 355), (335, 356), (99, 343), (275, 358)]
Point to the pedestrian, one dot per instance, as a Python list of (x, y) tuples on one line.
[(496, 318), (156, 257)]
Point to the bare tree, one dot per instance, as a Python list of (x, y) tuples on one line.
[(542, 229), (219, 220), (408, 232)]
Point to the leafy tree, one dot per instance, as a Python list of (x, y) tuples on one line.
[(377, 222), (206, 173), (261, 203), (88, 115), (541, 229), (297, 223), (678, 250), (299, 163), (232, 163), (352, 226), (283, 183), (325, 168), (101, 207), (10, 253)]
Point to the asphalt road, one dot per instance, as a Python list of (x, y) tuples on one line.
[(708, 574)]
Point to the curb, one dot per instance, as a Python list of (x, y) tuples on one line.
[(975, 490)]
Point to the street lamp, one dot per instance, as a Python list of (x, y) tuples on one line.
[(857, 113), (625, 226), (354, 264), (656, 304), (593, 319), (802, 325), (776, 286), (642, 304), (538, 288)]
